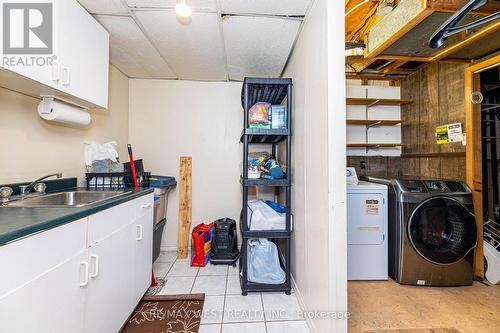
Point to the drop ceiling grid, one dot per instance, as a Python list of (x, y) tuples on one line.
[(131, 52), (191, 50), (266, 7), (207, 53), (104, 7), (222, 38), (258, 46), (196, 5)]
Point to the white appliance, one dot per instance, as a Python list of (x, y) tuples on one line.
[(492, 258), (367, 252)]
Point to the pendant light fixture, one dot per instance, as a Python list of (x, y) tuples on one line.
[(182, 9)]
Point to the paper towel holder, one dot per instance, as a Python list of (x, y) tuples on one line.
[(45, 104), (58, 110)]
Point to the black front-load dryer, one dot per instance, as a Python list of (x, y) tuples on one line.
[(432, 232)]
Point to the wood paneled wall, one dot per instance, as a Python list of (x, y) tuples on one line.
[(384, 166), (437, 92)]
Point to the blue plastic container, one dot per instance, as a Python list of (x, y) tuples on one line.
[(162, 181)]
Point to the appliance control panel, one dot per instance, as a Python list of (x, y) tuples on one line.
[(432, 186), (437, 186), (413, 186)]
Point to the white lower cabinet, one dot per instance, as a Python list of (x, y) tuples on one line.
[(144, 248), (52, 302), (110, 292), (94, 287)]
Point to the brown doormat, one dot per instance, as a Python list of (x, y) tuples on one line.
[(166, 314), (416, 330)]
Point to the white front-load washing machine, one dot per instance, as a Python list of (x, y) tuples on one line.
[(367, 249)]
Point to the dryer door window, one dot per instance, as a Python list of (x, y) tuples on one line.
[(442, 230)]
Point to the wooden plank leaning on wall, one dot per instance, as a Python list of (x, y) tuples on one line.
[(474, 168), (185, 207)]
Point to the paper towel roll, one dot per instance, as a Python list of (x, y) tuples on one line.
[(52, 110)]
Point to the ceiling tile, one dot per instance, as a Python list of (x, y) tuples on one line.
[(131, 51), (104, 7), (258, 46), (203, 5), (194, 51), (282, 7)]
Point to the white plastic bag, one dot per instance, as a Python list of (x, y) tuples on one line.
[(97, 152), (263, 262), (263, 217)]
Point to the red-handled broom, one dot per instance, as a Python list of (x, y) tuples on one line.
[(132, 166)]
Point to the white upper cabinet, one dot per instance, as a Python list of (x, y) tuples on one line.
[(60, 50), (82, 52)]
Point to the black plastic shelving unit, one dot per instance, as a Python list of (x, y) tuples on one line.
[(274, 91)]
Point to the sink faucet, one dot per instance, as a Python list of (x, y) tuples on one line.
[(25, 189)]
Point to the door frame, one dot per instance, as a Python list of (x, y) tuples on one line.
[(474, 165)]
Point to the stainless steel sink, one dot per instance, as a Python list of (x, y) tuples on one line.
[(67, 199)]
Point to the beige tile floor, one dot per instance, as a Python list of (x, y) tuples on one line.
[(377, 305), (225, 309)]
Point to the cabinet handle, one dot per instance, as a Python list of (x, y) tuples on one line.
[(140, 233), (56, 71), (96, 265), (149, 204), (85, 274), (66, 77)]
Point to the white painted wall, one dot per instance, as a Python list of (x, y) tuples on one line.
[(34, 147), (170, 119), (319, 242)]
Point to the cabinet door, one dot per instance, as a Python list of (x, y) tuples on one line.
[(82, 52), (111, 282), (42, 74), (52, 302), (144, 247), (23, 260), (105, 223)]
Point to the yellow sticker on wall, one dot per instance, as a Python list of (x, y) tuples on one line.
[(449, 133), (442, 134)]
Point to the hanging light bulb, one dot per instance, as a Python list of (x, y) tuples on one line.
[(182, 8)]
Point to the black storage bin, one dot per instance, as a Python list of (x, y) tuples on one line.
[(157, 232)]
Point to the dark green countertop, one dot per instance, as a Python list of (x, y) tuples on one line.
[(18, 222)]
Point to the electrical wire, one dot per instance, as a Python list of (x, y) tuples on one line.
[(356, 7), (364, 24)]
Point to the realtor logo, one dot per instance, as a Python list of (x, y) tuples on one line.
[(27, 28)]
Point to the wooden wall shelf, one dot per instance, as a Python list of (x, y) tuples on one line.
[(374, 145), (372, 122), (376, 101), (432, 155)]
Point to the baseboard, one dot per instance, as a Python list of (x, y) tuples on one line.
[(174, 248), (168, 248), (309, 322)]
